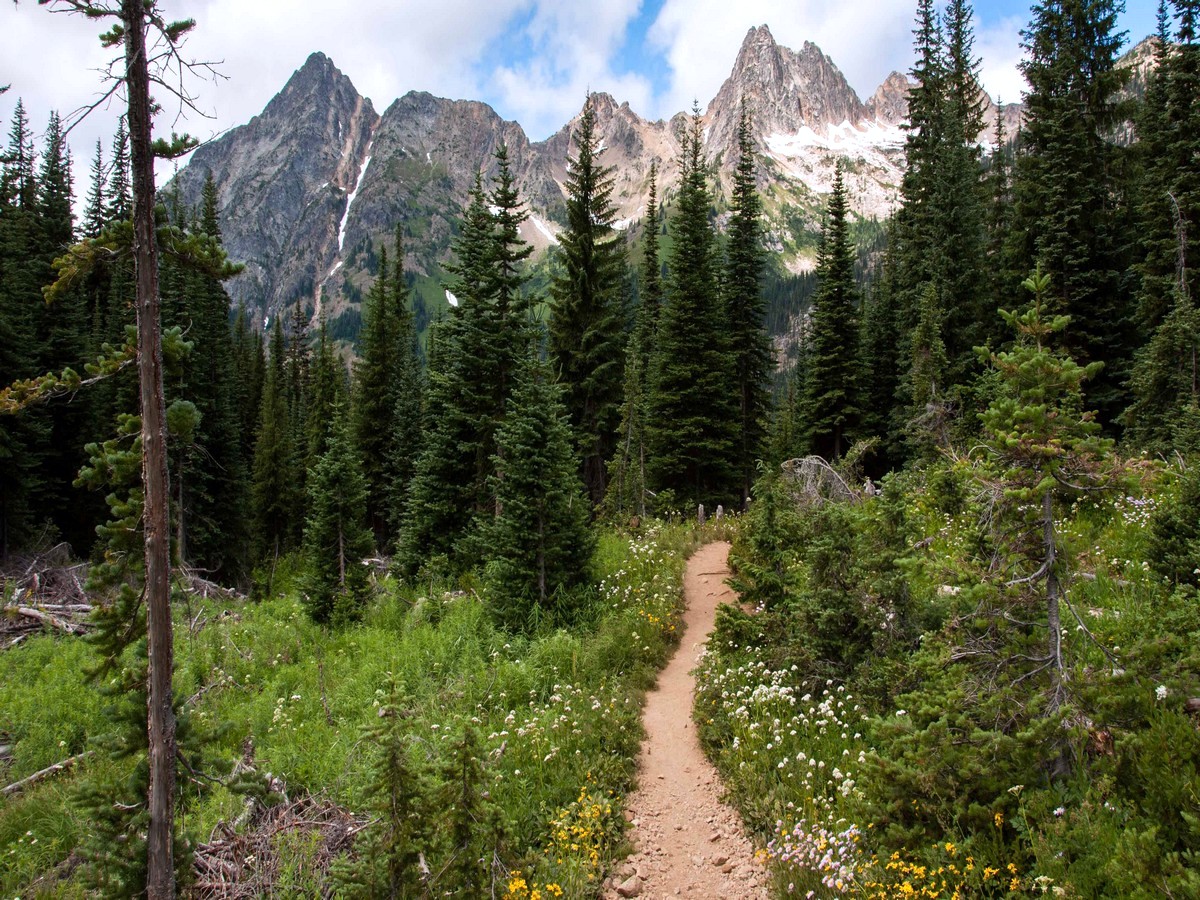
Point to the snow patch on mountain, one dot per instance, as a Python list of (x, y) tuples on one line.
[(350, 198)]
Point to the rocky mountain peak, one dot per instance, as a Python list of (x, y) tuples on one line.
[(889, 104), (785, 90)]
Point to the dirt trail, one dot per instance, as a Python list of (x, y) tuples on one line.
[(688, 843)]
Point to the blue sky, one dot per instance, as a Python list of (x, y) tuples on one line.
[(532, 60)]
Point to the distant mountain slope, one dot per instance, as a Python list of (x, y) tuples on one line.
[(316, 183)]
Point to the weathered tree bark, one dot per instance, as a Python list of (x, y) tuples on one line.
[(1053, 590), (160, 882)]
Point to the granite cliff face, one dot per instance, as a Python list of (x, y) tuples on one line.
[(283, 180), (316, 183)]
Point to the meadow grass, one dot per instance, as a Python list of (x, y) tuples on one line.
[(558, 711)]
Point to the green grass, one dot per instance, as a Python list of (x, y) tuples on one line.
[(558, 711)]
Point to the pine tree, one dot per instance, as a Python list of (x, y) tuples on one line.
[(1066, 219), (276, 481), (374, 391), (120, 201), (746, 309), (927, 379), (95, 215), (387, 395), (389, 854), (627, 471), (538, 543), (249, 364), (883, 370), (336, 538), (587, 306), (408, 411), (1043, 446), (830, 409), (959, 261), (1168, 128), (692, 419), (327, 392), (1165, 413), (470, 375), (914, 230), (218, 476)]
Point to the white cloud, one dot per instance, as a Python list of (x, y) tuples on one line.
[(999, 44), (574, 45)]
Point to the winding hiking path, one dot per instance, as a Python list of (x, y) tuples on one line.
[(687, 842)]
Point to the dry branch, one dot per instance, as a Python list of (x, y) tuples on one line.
[(17, 786)]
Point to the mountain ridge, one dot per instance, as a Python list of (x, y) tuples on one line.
[(313, 184)]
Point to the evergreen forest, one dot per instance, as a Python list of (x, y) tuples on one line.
[(415, 594)]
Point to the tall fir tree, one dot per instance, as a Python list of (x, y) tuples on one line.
[(745, 308), (1066, 215), (478, 349), (375, 390), (327, 393), (588, 306), (408, 411), (538, 543), (95, 216), (692, 410), (276, 486), (830, 404), (1168, 129), (211, 510), (336, 536), (627, 471)]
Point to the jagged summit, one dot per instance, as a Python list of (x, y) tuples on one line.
[(314, 185), (786, 90)]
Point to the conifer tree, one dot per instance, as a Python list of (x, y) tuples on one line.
[(249, 363), (387, 394), (477, 348), (627, 471), (507, 309), (959, 213), (587, 306), (1066, 218), (336, 538), (927, 379), (746, 309), (882, 369), (913, 236), (692, 410), (327, 392), (1168, 128), (448, 479), (218, 474), (120, 200), (830, 406), (1165, 413), (389, 854), (538, 543), (276, 484), (1043, 447), (408, 411), (95, 215), (374, 390)]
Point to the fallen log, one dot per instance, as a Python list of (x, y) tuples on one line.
[(52, 620), (28, 781)]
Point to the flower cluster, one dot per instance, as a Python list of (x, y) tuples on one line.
[(833, 855), (520, 889)]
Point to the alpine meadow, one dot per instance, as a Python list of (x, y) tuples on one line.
[(798, 496)]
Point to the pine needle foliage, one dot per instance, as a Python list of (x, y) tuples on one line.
[(587, 322)]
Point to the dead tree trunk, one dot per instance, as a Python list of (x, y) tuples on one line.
[(160, 715)]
